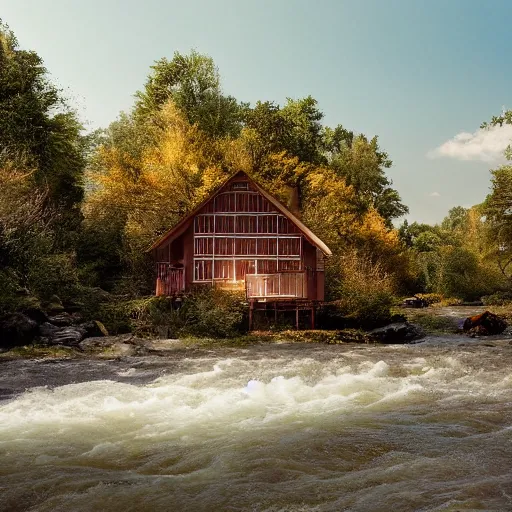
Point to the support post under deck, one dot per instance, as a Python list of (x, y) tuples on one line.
[(251, 314)]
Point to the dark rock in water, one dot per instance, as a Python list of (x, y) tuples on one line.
[(46, 329), (415, 302), (17, 329), (485, 324), (62, 319), (70, 336), (397, 333)]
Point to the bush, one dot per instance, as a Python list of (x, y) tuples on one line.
[(430, 298), (437, 299), (364, 296), (500, 298), (9, 300), (54, 275), (205, 312), (214, 312)]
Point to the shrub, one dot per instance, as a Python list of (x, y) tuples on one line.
[(500, 298), (463, 275), (214, 312), (365, 295), (430, 298), (204, 312), (54, 275), (9, 300)]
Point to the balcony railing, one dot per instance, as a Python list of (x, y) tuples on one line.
[(170, 280), (283, 284)]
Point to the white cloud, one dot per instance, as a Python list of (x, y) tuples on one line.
[(486, 145), (435, 194)]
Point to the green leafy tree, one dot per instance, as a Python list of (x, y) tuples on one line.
[(36, 125), (498, 211), (362, 164), (192, 82)]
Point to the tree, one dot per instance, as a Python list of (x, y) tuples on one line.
[(36, 125), (128, 206), (498, 211), (192, 82), (362, 164)]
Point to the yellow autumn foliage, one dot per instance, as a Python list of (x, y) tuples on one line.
[(149, 193)]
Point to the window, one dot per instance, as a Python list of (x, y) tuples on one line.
[(203, 270), (240, 185)]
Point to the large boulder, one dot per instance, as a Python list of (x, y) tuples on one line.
[(402, 332), (70, 336), (485, 324), (17, 329)]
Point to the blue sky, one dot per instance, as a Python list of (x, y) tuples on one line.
[(415, 73)]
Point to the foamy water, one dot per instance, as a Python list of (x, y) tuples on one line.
[(302, 428)]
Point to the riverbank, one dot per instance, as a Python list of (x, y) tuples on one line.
[(424, 325)]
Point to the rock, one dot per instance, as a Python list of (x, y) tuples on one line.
[(70, 336), (36, 314), (54, 306), (17, 329), (99, 343), (485, 324), (414, 302), (122, 344), (397, 333), (46, 329), (94, 328), (62, 319), (54, 309)]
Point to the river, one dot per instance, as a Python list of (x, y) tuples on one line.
[(298, 427)]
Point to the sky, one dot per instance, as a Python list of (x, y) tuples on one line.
[(421, 75)]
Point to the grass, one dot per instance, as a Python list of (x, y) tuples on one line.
[(435, 324), (43, 351), (286, 336)]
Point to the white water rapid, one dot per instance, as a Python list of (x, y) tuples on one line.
[(282, 428)]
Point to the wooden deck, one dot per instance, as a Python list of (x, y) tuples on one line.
[(285, 285)]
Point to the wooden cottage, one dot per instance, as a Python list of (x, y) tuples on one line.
[(241, 237)]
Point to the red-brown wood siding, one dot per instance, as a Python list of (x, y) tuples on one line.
[(238, 233)]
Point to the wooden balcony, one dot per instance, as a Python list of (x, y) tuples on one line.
[(291, 285), (170, 281)]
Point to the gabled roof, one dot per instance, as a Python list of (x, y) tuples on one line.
[(182, 226)]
